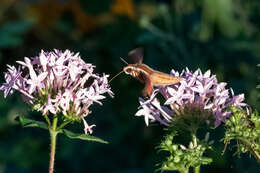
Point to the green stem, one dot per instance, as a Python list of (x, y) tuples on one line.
[(185, 171), (194, 140), (195, 144), (197, 169), (63, 124), (47, 119), (255, 154), (251, 149), (53, 134)]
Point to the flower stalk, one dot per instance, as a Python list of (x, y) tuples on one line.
[(63, 124), (255, 154), (185, 171), (197, 169), (53, 135), (251, 150), (195, 144)]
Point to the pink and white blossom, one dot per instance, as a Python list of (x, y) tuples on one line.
[(58, 82), (197, 91)]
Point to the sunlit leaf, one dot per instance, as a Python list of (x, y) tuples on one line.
[(83, 137), (26, 122)]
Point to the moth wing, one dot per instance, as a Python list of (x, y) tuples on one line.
[(141, 77), (136, 55), (163, 79), (148, 89)]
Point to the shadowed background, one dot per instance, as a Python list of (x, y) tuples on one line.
[(221, 35)]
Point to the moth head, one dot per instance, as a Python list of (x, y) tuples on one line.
[(131, 70), (128, 69)]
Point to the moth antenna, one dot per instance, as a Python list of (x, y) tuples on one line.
[(124, 61), (115, 76)]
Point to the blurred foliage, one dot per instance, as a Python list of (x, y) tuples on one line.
[(244, 128), (219, 35), (12, 33)]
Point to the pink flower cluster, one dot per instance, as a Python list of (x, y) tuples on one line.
[(198, 90), (58, 82)]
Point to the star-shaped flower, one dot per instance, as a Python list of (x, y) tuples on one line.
[(197, 92), (58, 82)]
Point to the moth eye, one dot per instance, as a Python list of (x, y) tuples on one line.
[(128, 70)]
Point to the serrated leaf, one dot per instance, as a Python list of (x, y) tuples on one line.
[(26, 122), (83, 137)]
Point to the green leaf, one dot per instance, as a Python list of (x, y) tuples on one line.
[(83, 137), (26, 122)]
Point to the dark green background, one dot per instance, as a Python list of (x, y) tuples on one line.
[(220, 35)]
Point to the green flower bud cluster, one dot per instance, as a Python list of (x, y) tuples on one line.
[(181, 158), (245, 129)]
